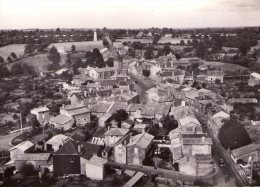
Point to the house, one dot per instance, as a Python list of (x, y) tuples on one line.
[(193, 144), (138, 147), (254, 79), (95, 168), (80, 79), (216, 122), (21, 148), (80, 113), (248, 153), (67, 159), (113, 135), (38, 160), (214, 75), (120, 150), (148, 111), (117, 106), (42, 114), (190, 125), (102, 73), (62, 122), (100, 109), (134, 110), (56, 142), (88, 151)]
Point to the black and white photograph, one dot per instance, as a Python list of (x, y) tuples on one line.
[(129, 93)]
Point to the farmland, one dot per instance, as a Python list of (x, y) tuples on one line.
[(80, 46), (225, 66), (172, 40), (18, 49), (135, 40), (39, 62)]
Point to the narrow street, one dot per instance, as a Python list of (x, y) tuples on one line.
[(4, 141), (229, 172)]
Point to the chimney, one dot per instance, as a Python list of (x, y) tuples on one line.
[(203, 139), (79, 148)]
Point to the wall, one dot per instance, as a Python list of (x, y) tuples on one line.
[(120, 154), (98, 173), (82, 119), (62, 164)]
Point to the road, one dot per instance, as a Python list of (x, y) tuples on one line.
[(4, 140), (229, 172)]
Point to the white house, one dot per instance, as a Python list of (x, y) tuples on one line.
[(42, 114), (95, 168), (254, 79), (20, 148)]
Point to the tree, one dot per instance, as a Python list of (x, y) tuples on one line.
[(16, 69), (96, 53), (148, 54), (200, 50), (166, 49), (73, 48), (34, 123), (27, 170), (244, 47), (182, 42), (169, 123), (8, 172), (9, 59), (233, 135), (54, 55), (29, 48), (4, 72), (110, 62), (100, 62), (217, 81), (120, 115), (146, 72), (13, 55), (2, 60), (177, 56)]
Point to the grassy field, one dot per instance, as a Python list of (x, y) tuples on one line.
[(18, 49), (172, 40), (39, 62), (225, 66), (135, 40), (80, 46)]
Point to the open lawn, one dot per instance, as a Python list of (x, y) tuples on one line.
[(225, 66), (80, 46), (172, 40), (18, 49), (39, 62)]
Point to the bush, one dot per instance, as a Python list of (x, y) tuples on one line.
[(28, 170)]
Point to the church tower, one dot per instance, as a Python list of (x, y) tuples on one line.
[(95, 35)]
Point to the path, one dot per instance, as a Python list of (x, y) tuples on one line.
[(4, 140), (134, 179)]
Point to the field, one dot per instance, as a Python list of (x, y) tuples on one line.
[(172, 40), (80, 46), (225, 66), (39, 62), (135, 40), (18, 49)]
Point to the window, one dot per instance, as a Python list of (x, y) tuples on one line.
[(71, 159), (136, 150)]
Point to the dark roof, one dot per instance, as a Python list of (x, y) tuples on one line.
[(69, 148), (90, 150)]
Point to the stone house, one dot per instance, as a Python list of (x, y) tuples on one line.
[(248, 153), (42, 114), (113, 135), (138, 147), (120, 150)]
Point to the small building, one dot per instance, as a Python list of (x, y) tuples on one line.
[(56, 142), (113, 135), (62, 122), (67, 159), (21, 148), (42, 114), (193, 144), (138, 148), (38, 160), (120, 150), (254, 79), (80, 113), (100, 109), (95, 168), (248, 153), (190, 125)]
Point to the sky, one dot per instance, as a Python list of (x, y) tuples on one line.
[(44, 14)]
